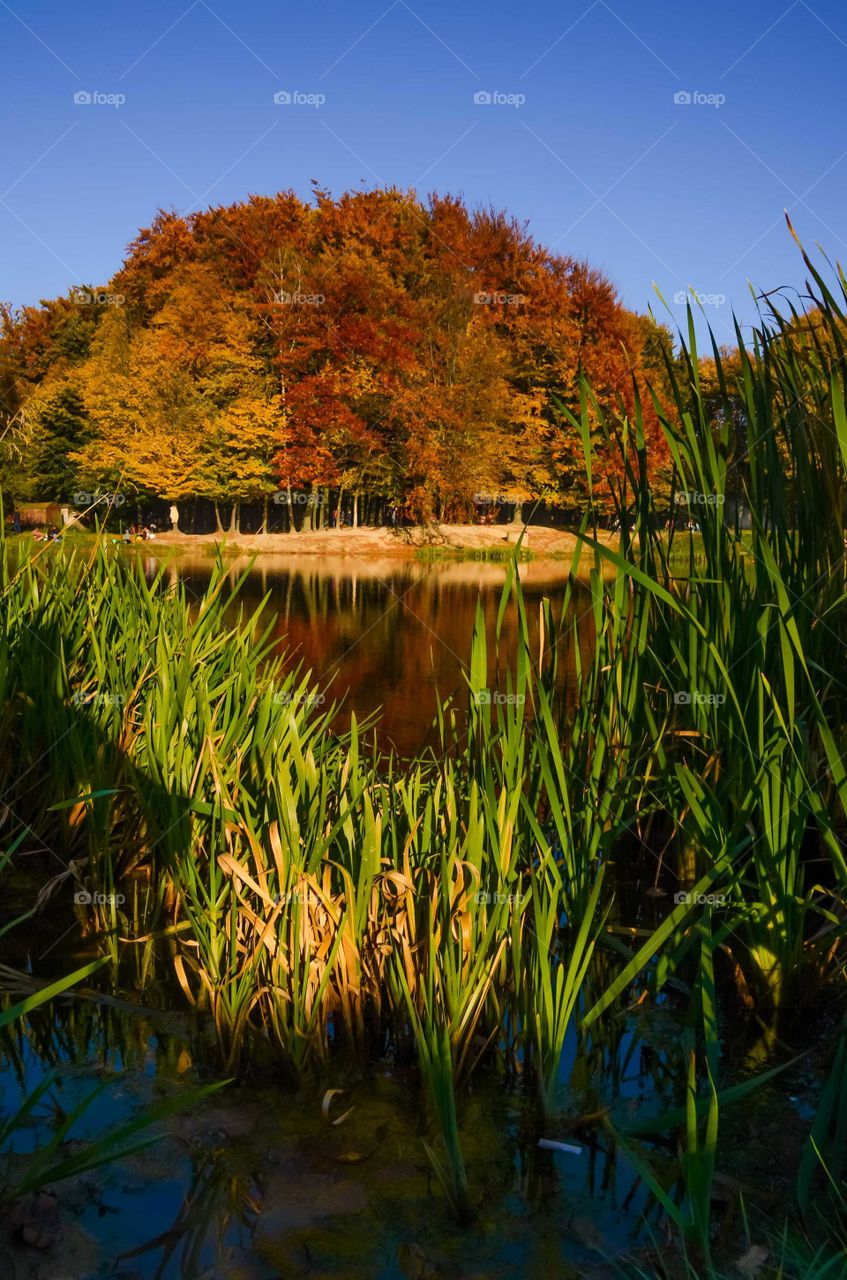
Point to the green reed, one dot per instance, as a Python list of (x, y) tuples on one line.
[(329, 901)]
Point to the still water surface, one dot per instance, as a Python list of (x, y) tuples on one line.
[(389, 637)]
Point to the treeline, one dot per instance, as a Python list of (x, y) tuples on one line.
[(385, 356)]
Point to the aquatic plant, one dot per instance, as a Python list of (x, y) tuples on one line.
[(328, 902)]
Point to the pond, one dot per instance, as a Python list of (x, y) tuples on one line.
[(261, 1182), (332, 1177), (388, 637)]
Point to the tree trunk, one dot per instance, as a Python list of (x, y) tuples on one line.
[(339, 509), (517, 518), (218, 526), (289, 511), (355, 510), (263, 527), (232, 517), (308, 510)]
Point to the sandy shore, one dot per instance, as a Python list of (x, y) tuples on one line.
[(538, 541)]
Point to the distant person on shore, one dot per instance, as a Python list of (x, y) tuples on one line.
[(174, 515), (16, 522)]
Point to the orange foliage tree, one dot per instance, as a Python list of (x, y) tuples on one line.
[(373, 350)]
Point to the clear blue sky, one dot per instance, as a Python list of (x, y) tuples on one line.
[(599, 157)]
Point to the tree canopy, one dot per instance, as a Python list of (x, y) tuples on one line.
[(373, 344)]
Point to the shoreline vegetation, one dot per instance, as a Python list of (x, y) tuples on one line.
[(617, 902)]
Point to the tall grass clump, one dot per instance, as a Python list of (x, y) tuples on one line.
[(742, 674), (483, 909)]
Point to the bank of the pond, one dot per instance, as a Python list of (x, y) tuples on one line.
[(485, 541)]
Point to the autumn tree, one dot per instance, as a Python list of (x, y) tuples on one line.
[(145, 413), (365, 350)]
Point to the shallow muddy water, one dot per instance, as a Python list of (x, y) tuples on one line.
[(259, 1182), (262, 1181)]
